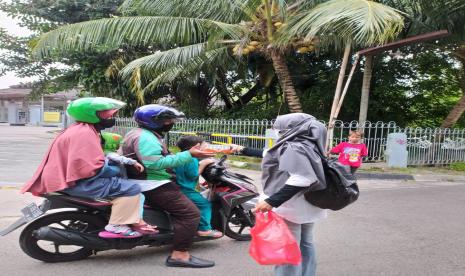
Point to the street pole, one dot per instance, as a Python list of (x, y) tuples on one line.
[(42, 110)]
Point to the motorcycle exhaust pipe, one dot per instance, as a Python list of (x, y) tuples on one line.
[(65, 237)]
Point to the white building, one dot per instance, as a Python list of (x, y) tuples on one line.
[(17, 106)]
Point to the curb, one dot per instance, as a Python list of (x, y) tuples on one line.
[(384, 176), (439, 178), (54, 131), (10, 187)]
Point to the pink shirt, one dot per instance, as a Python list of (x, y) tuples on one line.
[(350, 154)]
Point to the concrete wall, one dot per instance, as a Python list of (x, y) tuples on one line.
[(3, 111)]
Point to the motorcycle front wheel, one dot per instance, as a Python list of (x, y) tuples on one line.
[(239, 223), (50, 252)]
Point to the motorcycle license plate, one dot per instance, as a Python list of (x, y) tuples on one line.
[(31, 212)]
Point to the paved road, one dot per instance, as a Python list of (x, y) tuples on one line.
[(396, 228), (21, 150)]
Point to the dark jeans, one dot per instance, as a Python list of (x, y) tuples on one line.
[(184, 214)]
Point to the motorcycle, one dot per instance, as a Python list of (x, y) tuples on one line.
[(65, 228)]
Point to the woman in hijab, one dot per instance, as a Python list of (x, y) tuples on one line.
[(290, 168)]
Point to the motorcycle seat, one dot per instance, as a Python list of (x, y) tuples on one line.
[(101, 202), (84, 200)]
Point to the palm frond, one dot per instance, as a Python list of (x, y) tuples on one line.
[(444, 14), (248, 7), (135, 83), (213, 57), (431, 15), (362, 21), (115, 67), (111, 33), (152, 65), (129, 7), (219, 10)]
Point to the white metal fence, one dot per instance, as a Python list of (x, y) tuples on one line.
[(426, 146)]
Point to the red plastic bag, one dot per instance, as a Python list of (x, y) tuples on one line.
[(272, 242)]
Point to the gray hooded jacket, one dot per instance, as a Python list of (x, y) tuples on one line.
[(295, 153)]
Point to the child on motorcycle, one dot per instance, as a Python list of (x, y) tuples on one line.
[(111, 143), (187, 177)]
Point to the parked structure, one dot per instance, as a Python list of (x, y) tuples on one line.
[(17, 107)]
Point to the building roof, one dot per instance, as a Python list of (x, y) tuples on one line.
[(22, 91)]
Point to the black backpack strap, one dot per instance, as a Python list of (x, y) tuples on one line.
[(324, 159)]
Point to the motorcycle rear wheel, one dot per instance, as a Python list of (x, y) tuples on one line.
[(238, 226), (76, 221)]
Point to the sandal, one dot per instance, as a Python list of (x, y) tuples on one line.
[(210, 234), (113, 231), (145, 229), (126, 235)]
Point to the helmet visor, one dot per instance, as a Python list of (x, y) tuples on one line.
[(107, 114), (169, 116), (102, 103)]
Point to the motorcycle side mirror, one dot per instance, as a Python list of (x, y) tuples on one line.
[(222, 160)]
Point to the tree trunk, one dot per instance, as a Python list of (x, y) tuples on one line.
[(346, 87), (459, 108), (222, 89), (340, 82), (247, 97), (337, 94), (285, 80), (456, 112), (367, 74)]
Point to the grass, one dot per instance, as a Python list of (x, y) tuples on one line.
[(459, 166), (454, 169)]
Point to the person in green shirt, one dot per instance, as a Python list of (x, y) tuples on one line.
[(147, 146)]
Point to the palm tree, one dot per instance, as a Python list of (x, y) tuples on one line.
[(367, 74), (199, 35)]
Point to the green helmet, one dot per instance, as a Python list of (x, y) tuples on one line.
[(112, 141), (85, 109)]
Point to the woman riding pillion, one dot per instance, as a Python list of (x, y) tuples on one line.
[(146, 144), (75, 164)]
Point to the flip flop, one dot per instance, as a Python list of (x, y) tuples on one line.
[(211, 234), (145, 229), (125, 235)]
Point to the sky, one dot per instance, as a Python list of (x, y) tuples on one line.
[(12, 27)]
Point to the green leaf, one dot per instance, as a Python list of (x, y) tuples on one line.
[(154, 64), (112, 33), (338, 21), (195, 65), (220, 10)]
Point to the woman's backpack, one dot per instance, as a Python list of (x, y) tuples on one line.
[(341, 187)]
